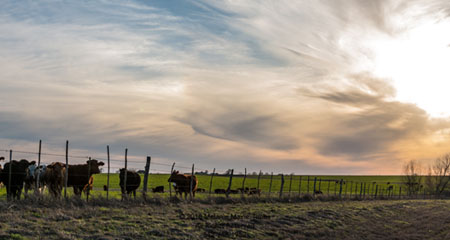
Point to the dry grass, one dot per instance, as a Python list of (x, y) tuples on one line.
[(224, 219)]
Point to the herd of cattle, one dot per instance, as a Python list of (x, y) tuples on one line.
[(26, 175)]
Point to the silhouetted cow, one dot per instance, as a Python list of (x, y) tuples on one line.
[(18, 174), (133, 182), (79, 175), (220, 191), (53, 178), (253, 191), (158, 189), (183, 183)]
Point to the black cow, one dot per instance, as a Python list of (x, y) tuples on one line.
[(158, 189), (220, 191), (79, 175), (133, 182), (18, 174)]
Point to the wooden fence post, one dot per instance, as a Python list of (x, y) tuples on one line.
[(400, 192), (36, 191), (257, 186), (376, 191), (351, 189), (290, 186), (314, 186), (229, 183), (243, 182), (300, 186), (147, 169), (307, 186), (170, 184), (88, 178), (210, 182), (340, 188), (9, 175), (270, 185), (282, 185), (124, 191), (107, 176), (364, 191), (328, 191), (360, 191), (191, 184), (335, 187), (66, 175), (346, 184)]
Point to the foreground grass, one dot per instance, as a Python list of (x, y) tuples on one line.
[(405, 219)]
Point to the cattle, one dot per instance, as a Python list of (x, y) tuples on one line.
[(253, 191), (78, 175), (105, 188), (202, 190), (183, 183), (133, 182), (220, 191), (232, 191), (30, 178), (89, 185), (53, 178), (18, 174), (318, 192), (158, 189), (243, 190)]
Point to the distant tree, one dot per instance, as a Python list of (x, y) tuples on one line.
[(412, 177), (439, 174)]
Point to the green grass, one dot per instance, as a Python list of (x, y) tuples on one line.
[(327, 184)]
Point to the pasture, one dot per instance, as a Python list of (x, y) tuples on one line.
[(100, 219), (329, 185)]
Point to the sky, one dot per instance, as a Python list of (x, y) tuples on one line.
[(306, 87)]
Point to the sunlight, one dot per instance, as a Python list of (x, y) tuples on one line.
[(418, 64)]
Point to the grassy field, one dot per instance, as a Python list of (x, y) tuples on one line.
[(327, 184), (100, 219)]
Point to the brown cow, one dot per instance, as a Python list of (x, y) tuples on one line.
[(133, 182), (183, 182), (53, 178), (79, 175)]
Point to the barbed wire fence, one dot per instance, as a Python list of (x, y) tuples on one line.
[(279, 185)]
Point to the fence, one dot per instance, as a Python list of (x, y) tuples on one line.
[(229, 184)]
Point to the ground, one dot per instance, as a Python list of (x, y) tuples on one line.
[(223, 219)]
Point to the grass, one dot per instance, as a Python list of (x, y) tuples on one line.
[(327, 184), (100, 219)]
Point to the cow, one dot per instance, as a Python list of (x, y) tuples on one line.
[(220, 191), (53, 178), (318, 192), (105, 188), (183, 183), (253, 191), (158, 189), (232, 191), (243, 190), (202, 190), (78, 175), (89, 185), (30, 178), (18, 174), (133, 182)]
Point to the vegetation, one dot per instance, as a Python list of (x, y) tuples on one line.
[(101, 219)]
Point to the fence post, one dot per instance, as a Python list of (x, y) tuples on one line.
[(257, 187), (124, 190), (351, 189), (229, 183), (328, 190), (88, 178), (9, 175), (364, 191), (39, 169), (300, 186), (243, 182), (270, 185), (400, 192), (346, 185), (282, 185), (210, 183), (376, 191), (290, 186), (360, 191), (340, 188), (107, 176), (170, 184), (66, 175), (335, 187), (314, 186), (147, 169), (307, 186), (191, 185)]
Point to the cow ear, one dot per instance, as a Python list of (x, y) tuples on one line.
[(101, 163), (32, 162)]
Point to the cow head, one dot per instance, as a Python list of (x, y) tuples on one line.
[(95, 165), (173, 176), (56, 166)]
